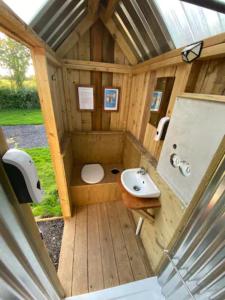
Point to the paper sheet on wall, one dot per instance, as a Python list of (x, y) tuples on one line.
[(86, 97)]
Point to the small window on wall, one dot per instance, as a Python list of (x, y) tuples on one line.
[(188, 23)]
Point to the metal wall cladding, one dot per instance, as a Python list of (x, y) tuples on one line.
[(200, 256)]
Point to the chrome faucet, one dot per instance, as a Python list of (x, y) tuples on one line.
[(142, 171)]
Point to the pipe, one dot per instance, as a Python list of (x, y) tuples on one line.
[(217, 5)]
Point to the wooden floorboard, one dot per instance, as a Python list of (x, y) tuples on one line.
[(65, 269), (100, 250), (122, 261), (80, 276), (110, 274), (137, 264), (95, 272)]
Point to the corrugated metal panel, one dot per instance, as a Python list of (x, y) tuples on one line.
[(198, 261), (143, 28), (22, 275), (58, 19), (188, 23)]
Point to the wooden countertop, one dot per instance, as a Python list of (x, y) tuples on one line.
[(133, 202)]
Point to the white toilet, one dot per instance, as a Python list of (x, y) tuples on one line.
[(92, 173)]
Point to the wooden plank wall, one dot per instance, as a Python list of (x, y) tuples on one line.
[(167, 218), (205, 77), (107, 51), (98, 146), (58, 99)]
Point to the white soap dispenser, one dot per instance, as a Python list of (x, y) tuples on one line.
[(162, 128)]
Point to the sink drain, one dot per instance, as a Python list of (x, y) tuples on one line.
[(136, 188)]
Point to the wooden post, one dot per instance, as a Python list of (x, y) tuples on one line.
[(40, 64)]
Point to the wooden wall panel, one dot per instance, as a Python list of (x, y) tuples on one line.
[(167, 219), (57, 92), (105, 50), (98, 147), (107, 78), (210, 77), (119, 119), (142, 87)]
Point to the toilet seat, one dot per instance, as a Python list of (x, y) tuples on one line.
[(92, 173)]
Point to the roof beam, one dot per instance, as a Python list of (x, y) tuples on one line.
[(212, 47), (216, 5), (118, 37), (73, 38), (96, 66), (110, 9), (93, 6)]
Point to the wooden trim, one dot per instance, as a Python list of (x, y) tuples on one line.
[(203, 97), (119, 98), (118, 37), (93, 6), (110, 9), (73, 38), (212, 47), (96, 66), (40, 65), (3, 144), (78, 101), (47, 219), (52, 59)]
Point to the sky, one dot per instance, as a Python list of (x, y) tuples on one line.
[(26, 9)]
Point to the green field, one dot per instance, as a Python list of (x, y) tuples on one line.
[(49, 206), (20, 117), (6, 83)]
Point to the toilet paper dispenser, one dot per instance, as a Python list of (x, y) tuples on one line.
[(162, 128), (22, 174)]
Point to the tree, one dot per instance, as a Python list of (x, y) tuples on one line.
[(16, 58)]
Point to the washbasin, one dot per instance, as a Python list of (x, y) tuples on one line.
[(139, 184)]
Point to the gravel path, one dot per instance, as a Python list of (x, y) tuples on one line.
[(52, 235), (25, 136)]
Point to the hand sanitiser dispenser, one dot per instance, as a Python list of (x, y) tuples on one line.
[(162, 128), (22, 174)]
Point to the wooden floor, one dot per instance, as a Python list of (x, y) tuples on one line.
[(100, 249)]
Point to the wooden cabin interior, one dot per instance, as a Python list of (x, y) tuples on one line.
[(125, 45)]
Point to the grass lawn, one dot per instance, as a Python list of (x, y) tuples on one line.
[(49, 206), (20, 117), (6, 83)]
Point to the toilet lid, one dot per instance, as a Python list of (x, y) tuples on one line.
[(92, 173)]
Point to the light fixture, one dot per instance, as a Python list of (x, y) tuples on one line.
[(192, 52)]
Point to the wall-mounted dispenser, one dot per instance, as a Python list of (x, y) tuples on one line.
[(162, 128), (22, 174)]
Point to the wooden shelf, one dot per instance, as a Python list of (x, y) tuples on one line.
[(136, 203)]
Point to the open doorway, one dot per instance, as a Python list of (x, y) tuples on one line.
[(22, 124)]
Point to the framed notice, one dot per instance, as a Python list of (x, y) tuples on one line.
[(111, 98), (156, 100), (85, 97)]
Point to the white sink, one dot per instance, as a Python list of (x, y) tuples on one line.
[(139, 185)]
